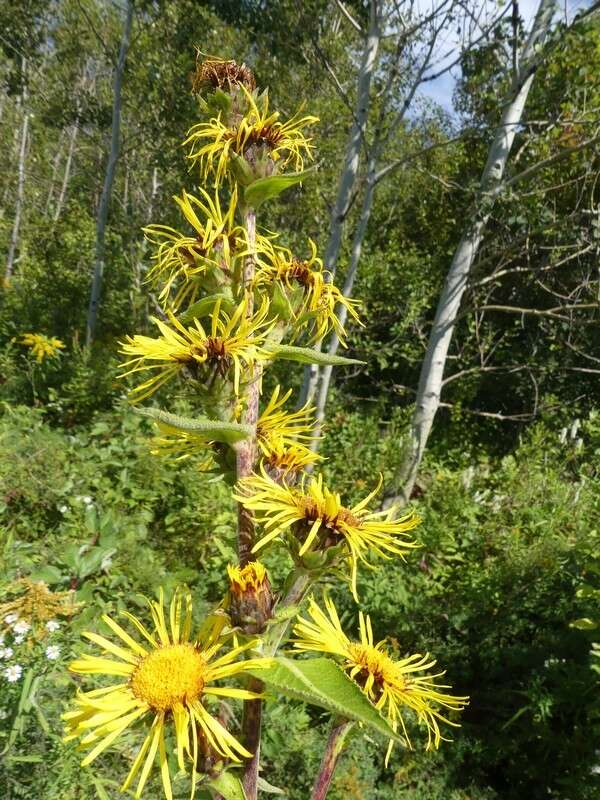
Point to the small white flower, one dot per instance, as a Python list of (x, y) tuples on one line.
[(52, 625), (11, 618), (1, 639), (19, 638), (21, 626), (3, 713), (63, 509), (52, 652), (6, 653), (87, 500), (12, 674)]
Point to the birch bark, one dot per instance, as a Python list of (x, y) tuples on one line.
[(491, 184), (96, 288), (349, 173), (14, 238)]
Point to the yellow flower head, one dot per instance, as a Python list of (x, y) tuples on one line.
[(313, 299), (393, 685), (249, 578), (289, 427), (165, 679), (213, 144), (180, 445), (183, 258), (232, 342), (320, 519), (280, 435), (250, 596), (42, 346)]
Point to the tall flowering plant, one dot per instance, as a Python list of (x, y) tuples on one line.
[(233, 300)]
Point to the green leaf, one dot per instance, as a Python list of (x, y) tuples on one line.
[(268, 788), (266, 188), (307, 355), (242, 170), (205, 307), (584, 624), (212, 429), (229, 786), (321, 682)]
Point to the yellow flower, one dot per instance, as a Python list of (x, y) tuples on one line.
[(166, 679), (250, 596), (289, 427), (313, 299), (181, 257), (232, 342), (280, 434), (392, 685), (258, 133), (42, 346), (320, 519), (282, 460), (180, 445)]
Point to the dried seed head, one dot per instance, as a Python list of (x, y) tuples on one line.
[(214, 73)]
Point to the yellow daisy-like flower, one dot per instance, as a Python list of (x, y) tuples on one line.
[(318, 298), (321, 521), (232, 342), (42, 346), (166, 678), (214, 143), (392, 685), (185, 257), (280, 435), (250, 597), (284, 460), (289, 427), (180, 445)]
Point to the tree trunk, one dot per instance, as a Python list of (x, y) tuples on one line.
[(432, 370), (96, 289), (67, 172), (14, 239), (349, 173), (334, 343)]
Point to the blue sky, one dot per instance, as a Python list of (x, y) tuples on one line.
[(441, 90)]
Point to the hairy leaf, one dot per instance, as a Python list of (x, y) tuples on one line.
[(307, 355), (213, 429), (320, 682)]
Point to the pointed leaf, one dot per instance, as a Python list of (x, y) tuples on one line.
[(268, 788), (213, 430), (266, 188), (228, 786), (307, 355), (320, 682), (204, 307)]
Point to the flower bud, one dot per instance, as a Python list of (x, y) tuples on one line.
[(250, 597)]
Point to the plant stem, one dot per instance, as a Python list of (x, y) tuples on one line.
[(246, 452), (245, 459), (333, 749)]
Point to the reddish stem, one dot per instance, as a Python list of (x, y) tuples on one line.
[(333, 750)]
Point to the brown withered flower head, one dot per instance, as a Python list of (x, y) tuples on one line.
[(215, 73)]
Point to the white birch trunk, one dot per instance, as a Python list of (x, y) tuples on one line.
[(14, 238), (432, 369), (334, 343), (349, 173), (96, 288), (67, 172)]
